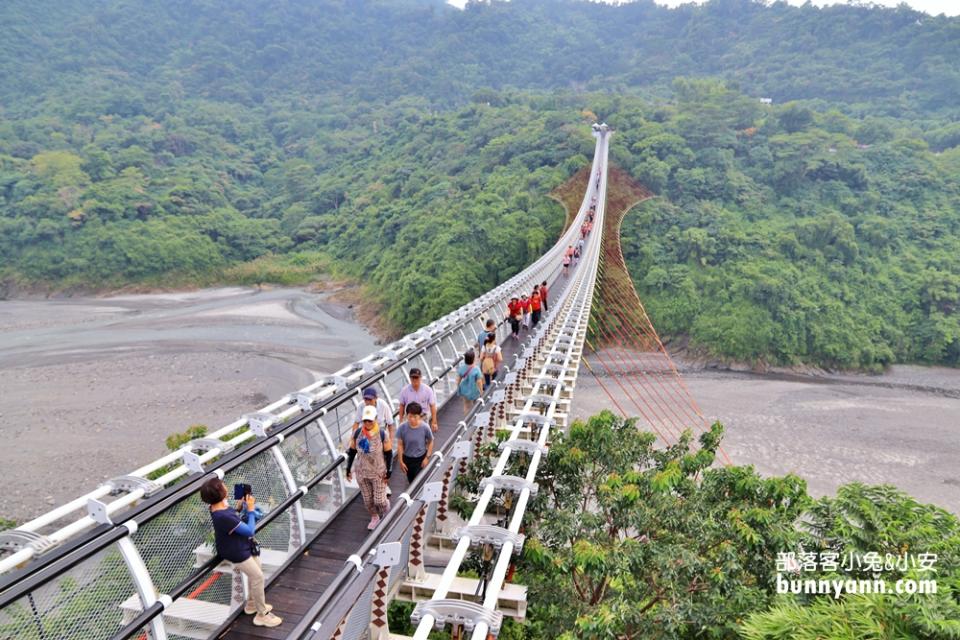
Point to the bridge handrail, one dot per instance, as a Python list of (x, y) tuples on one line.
[(324, 616), (135, 626), (331, 391)]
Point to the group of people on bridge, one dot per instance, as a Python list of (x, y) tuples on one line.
[(370, 458), (524, 311), (378, 439), (571, 256)]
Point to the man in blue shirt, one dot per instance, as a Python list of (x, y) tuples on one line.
[(233, 534), (489, 327)]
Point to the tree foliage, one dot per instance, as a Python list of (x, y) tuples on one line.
[(781, 237), (411, 144), (629, 541)]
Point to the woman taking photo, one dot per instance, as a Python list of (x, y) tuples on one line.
[(233, 530)]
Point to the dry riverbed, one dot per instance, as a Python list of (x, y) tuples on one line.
[(91, 387), (900, 428)]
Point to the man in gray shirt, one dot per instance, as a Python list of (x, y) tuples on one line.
[(422, 394), (414, 442)]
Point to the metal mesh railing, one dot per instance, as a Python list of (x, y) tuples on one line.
[(175, 542), (87, 603), (554, 345), (154, 537)]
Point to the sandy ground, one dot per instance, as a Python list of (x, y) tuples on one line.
[(902, 428), (90, 388)]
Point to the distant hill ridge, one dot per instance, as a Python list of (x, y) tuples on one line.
[(245, 52)]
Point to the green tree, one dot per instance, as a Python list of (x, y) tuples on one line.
[(628, 541)]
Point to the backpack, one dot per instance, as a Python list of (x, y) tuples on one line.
[(488, 362)]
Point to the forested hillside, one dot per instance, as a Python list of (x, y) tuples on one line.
[(411, 145), (786, 235)]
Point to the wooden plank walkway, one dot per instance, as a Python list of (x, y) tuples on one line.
[(305, 580)]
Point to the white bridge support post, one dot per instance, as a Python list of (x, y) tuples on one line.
[(143, 582), (334, 453), (298, 531), (553, 351)]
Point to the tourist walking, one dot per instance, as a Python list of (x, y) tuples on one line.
[(490, 358), (515, 309), (421, 393), (543, 296), (490, 326), (535, 306), (233, 531), (525, 302), (414, 442), (470, 384), (566, 265), (370, 446), (384, 414)]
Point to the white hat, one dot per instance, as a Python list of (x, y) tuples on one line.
[(370, 413)]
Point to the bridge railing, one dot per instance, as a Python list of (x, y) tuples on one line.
[(93, 567), (358, 597)]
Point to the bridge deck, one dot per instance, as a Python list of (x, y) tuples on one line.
[(303, 582)]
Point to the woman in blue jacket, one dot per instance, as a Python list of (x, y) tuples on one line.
[(234, 530)]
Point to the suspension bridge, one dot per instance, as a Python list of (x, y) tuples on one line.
[(134, 558)]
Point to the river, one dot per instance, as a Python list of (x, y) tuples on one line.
[(91, 387), (900, 428)]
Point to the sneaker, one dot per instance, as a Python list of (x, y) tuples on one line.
[(249, 609), (374, 521), (268, 620)]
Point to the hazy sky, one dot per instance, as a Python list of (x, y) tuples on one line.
[(933, 7)]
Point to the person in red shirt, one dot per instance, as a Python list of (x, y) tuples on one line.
[(535, 306), (525, 302), (543, 295), (515, 309)]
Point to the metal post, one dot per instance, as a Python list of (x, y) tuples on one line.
[(298, 532), (334, 452), (415, 569), (388, 555), (143, 582)]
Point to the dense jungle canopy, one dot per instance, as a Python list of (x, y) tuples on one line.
[(410, 145)]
